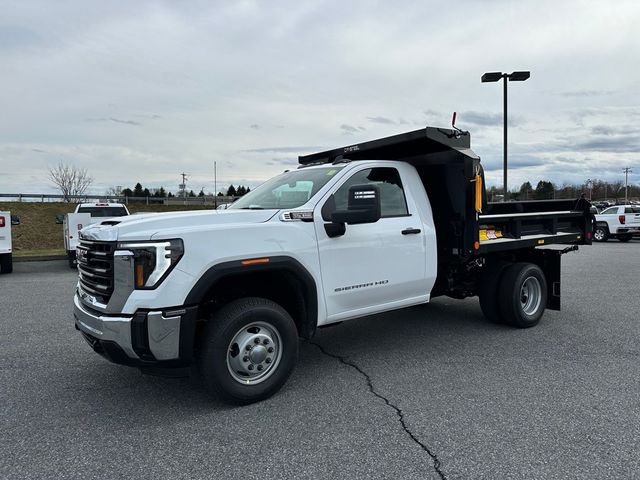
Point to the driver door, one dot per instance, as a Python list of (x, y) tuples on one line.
[(373, 266)]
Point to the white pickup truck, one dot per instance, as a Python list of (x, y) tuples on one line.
[(86, 214), (621, 222), (354, 231), (6, 252)]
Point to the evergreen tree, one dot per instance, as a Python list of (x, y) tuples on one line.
[(201, 194), (146, 193), (137, 190), (544, 190), (127, 192), (192, 193), (526, 191), (231, 191)]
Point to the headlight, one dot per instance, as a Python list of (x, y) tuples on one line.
[(153, 260)]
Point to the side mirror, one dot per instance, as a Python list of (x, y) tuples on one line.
[(363, 206)]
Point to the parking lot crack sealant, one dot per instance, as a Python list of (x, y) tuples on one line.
[(434, 458)]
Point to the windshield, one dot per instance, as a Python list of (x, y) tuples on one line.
[(289, 190)]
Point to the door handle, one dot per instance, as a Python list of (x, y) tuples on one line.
[(409, 231)]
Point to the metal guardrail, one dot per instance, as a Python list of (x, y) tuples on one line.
[(43, 197)]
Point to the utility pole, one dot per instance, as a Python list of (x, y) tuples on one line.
[(626, 171), (589, 184), (215, 184), (183, 185)]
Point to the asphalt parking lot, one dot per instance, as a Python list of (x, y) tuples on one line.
[(476, 400)]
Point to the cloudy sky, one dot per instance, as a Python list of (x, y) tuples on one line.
[(142, 91)]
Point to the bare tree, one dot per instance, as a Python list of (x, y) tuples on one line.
[(70, 179), (114, 192)]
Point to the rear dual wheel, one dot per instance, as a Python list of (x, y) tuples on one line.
[(71, 258), (6, 263), (514, 294)]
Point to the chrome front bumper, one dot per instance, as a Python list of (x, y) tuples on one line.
[(104, 328), (148, 337)]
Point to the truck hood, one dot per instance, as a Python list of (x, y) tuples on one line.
[(143, 227)]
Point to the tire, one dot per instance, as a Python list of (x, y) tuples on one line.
[(71, 258), (6, 263), (624, 237), (523, 295), (488, 291), (601, 233), (262, 329)]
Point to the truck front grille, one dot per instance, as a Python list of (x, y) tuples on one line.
[(95, 266)]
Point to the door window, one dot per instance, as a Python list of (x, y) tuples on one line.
[(392, 199), (610, 211)]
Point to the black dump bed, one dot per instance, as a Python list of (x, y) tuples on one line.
[(466, 225)]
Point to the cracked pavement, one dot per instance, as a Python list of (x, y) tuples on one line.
[(560, 400), (401, 418)]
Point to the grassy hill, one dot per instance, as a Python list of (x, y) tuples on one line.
[(38, 233)]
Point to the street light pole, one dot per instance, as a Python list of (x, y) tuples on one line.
[(512, 77), (504, 162), (626, 171)]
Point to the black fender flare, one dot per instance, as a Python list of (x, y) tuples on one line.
[(256, 265)]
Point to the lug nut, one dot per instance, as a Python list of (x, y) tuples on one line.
[(266, 341), (256, 340), (270, 349), (247, 348), (250, 367), (259, 367), (245, 359), (268, 360)]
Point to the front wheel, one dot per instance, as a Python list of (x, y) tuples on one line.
[(248, 350), (523, 290), (625, 237), (601, 233)]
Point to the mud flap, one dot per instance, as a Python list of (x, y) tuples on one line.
[(549, 260)]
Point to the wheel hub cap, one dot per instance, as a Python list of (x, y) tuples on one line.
[(258, 354)]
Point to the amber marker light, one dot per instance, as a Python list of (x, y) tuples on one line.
[(139, 275), (255, 261)]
